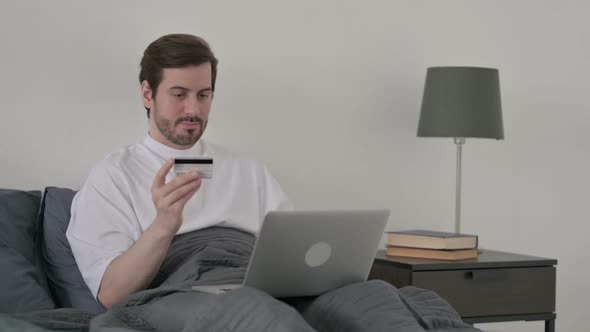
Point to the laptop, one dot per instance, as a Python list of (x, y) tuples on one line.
[(307, 253)]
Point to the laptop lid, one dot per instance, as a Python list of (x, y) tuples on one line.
[(306, 253)]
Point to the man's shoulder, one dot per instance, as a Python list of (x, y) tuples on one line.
[(117, 161)]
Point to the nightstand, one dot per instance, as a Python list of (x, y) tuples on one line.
[(494, 287)]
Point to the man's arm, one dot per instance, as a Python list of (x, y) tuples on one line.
[(135, 269)]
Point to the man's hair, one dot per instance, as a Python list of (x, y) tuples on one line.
[(174, 51)]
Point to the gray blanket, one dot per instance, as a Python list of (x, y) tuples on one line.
[(220, 255)]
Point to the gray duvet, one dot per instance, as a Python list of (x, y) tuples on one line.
[(220, 255)]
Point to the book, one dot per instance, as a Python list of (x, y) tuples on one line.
[(452, 255), (431, 240)]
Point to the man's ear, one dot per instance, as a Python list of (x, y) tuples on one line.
[(147, 95)]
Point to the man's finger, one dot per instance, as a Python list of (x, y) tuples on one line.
[(180, 192), (160, 178), (182, 201), (179, 181)]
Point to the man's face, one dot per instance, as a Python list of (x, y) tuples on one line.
[(179, 110)]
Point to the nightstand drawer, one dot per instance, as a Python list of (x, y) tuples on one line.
[(485, 292)]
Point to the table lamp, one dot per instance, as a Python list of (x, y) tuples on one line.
[(461, 102)]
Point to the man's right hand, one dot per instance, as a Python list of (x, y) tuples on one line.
[(170, 198)]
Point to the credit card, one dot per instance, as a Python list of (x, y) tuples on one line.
[(202, 165)]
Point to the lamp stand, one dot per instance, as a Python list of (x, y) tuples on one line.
[(459, 141)]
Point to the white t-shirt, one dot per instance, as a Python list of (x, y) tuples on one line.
[(114, 206)]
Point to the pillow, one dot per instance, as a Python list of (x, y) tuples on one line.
[(64, 278), (21, 279)]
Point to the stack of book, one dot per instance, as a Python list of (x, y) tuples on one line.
[(432, 245)]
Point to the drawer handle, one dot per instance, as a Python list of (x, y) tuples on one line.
[(483, 275)]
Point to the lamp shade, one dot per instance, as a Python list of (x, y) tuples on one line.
[(461, 102)]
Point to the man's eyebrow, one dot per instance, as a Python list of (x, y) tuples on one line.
[(189, 90), (179, 88), (206, 90)]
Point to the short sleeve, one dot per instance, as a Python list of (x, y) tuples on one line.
[(103, 224), (272, 197)]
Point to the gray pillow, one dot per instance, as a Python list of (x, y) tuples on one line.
[(64, 278), (21, 280)]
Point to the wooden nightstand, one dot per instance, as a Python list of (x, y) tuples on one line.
[(495, 287)]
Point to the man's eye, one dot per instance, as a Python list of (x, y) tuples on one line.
[(178, 94)]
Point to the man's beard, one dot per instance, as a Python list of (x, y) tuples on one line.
[(189, 136)]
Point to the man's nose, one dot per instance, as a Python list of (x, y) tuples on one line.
[(192, 106)]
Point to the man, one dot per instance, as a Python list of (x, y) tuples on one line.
[(126, 215), (131, 206)]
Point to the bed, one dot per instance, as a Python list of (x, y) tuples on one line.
[(42, 289)]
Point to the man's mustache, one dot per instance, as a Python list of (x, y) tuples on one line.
[(190, 119)]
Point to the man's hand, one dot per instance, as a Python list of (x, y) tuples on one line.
[(170, 198)]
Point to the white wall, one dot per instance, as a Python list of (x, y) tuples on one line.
[(327, 93)]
